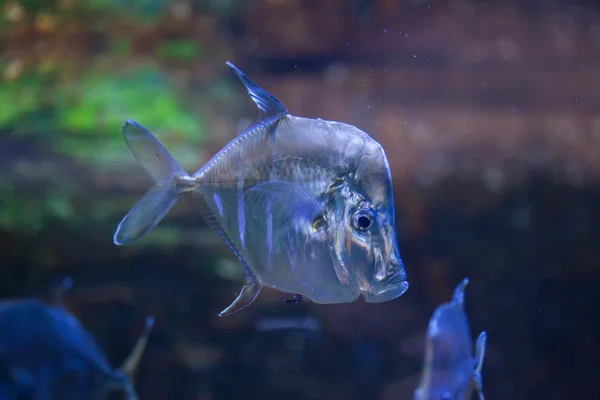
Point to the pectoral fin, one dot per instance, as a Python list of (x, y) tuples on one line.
[(297, 202)]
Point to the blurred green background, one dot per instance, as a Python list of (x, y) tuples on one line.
[(488, 112)]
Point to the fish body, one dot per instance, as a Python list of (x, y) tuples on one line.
[(306, 205), (450, 371), (45, 352)]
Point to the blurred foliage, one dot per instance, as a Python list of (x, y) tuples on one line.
[(29, 213), (74, 107), (182, 50), (101, 103), (81, 119)]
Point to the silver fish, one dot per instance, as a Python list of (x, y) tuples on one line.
[(450, 371), (305, 205)]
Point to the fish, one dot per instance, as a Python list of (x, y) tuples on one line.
[(46, 353), (306, 205), (450, 371)]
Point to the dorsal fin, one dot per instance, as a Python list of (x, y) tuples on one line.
[(270, 108), (459, 293)]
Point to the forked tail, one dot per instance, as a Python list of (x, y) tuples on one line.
[(157, 202)]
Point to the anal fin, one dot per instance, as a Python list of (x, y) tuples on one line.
[(249, 292), (252, 284)]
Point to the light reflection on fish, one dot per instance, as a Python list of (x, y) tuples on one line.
[(306, 205), (46, 353), (450, 371)]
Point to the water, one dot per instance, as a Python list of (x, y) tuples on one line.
[(488, 114)]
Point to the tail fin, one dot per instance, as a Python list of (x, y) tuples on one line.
[(157, 202)]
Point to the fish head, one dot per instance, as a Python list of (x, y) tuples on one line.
[(370, 231)]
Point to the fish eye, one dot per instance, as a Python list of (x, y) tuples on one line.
[(364, 219)]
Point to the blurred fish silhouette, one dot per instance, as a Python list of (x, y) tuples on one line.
[(45, 353), (450, 371), (305, 204)]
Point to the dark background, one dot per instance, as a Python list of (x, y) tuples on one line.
[(488, 112)]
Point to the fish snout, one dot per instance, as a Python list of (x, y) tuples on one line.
[(393, 285)]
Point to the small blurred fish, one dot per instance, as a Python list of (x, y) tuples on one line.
[(46, 353), (450, 371), (305, 205)]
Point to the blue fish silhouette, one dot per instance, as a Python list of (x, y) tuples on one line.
[(450, 371), (45, 353)]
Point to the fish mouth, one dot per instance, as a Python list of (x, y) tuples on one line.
[(389, 291)]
